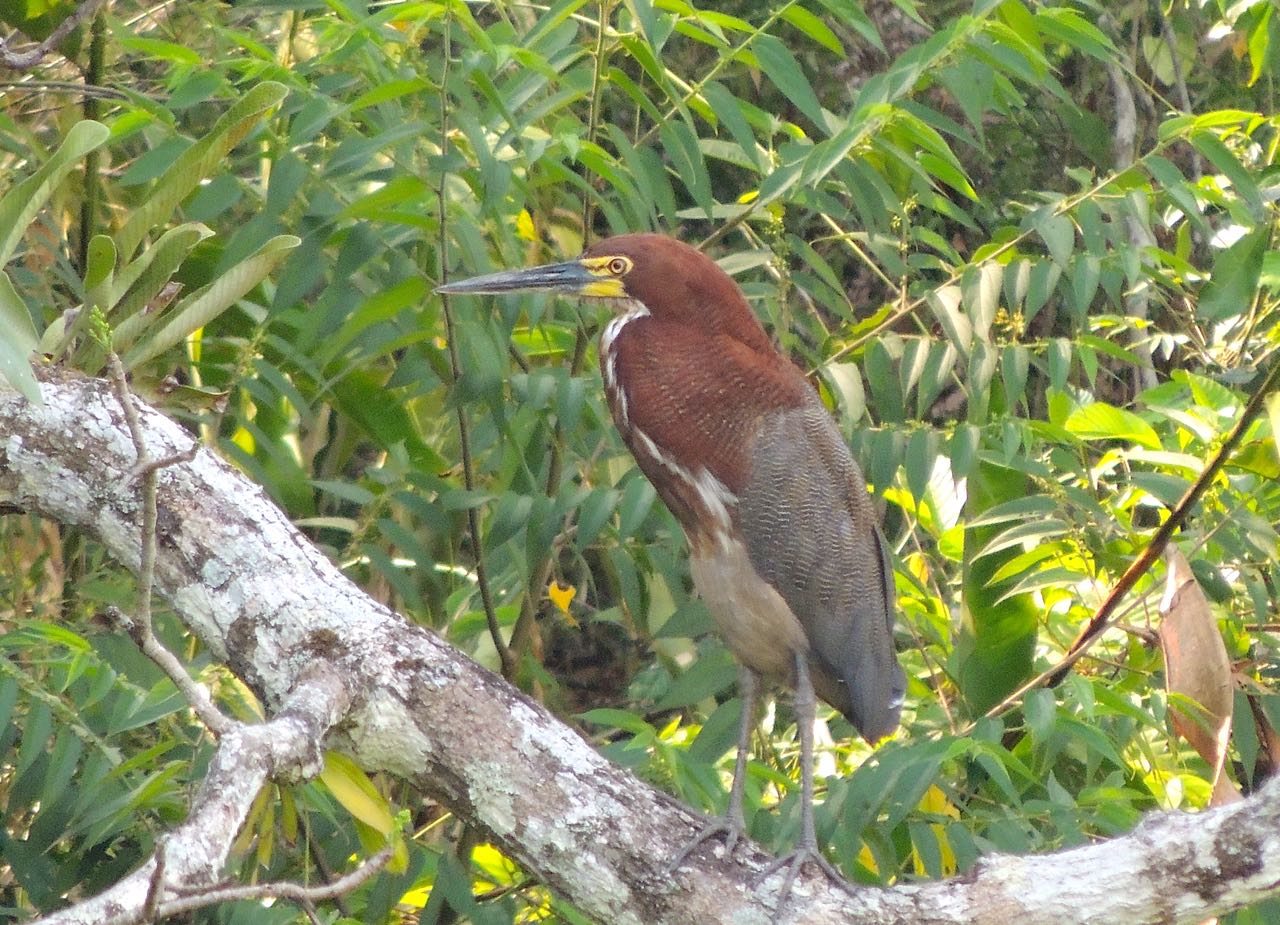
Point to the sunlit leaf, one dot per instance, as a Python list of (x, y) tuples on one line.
[(1100, 421), (17, 343)]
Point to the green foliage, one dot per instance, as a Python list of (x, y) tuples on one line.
[(995, 644), (1032, 347)]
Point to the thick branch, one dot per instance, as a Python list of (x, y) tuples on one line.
[(272, 607)]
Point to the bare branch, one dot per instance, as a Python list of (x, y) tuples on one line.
[(1179, 81), (25, 60), (143, 469), (1101, 620), (191, 858), (140, 629), (1124, 145), (155, 889), (195, 693), (275, 610), (294, 892)]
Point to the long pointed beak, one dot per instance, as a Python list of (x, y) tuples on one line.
[(569, 277)]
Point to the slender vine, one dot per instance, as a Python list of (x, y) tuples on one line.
[(455, 370)]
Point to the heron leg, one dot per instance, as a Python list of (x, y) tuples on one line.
[(733, 824), (807, 846)]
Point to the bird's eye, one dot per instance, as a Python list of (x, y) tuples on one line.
[(618, 266)]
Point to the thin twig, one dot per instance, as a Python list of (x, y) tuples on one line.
[(524, 635), (593, 113), (25, 60), (195, 693), (42, 87), (1124, 147), (139, 626), (143, 469), (1101, 620), (455, 367), (326, 872), (155, 889), (1179, 82), (293, 892)]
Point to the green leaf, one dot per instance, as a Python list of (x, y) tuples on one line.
[(196, 163), (1015, 366), (207, 303), (728, 110), (846, 379), (142, 279), (1101, 421), (945, 304), (682, 147), (17, 343), (996, 639), (1235, 276), (353, 789), (1066, 25), (981, 292), (922, 451), (711, 673), (718, 734), (1259, 43), (1208, 144), (1058, 234), (783, 69), (853, 16), (814, 28), (1273, 417), (162, 50), (21, 203), (963, 450), (1032, 531), (100, 272)]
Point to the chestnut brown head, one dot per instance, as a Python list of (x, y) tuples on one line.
[(671, 280)]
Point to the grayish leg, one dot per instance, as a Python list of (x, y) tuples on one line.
[(807, 846), (733, 824)]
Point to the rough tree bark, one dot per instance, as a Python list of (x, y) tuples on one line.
[(276, 611)]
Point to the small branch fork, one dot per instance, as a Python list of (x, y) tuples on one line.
[(185, 871), (304, 896), (139, 627), (26, 60)]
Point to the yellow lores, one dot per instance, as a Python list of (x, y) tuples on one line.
[(608, 273)]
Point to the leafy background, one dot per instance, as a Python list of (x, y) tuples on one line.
[(1025, 251)]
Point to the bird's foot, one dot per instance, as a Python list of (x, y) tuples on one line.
[(793, 863), (731, 829)]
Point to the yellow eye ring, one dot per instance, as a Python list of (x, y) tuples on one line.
[(618, 266)]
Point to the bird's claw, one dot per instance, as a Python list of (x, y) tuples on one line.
[(729, 828), (794, 863)]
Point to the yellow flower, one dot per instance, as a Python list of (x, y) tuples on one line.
[(561, 595)]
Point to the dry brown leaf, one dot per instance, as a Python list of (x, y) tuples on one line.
[(1196, 666)]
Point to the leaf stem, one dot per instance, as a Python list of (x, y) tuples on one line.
[(455, 370)]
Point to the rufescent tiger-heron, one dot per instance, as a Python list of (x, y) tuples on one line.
[(783, 541)]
